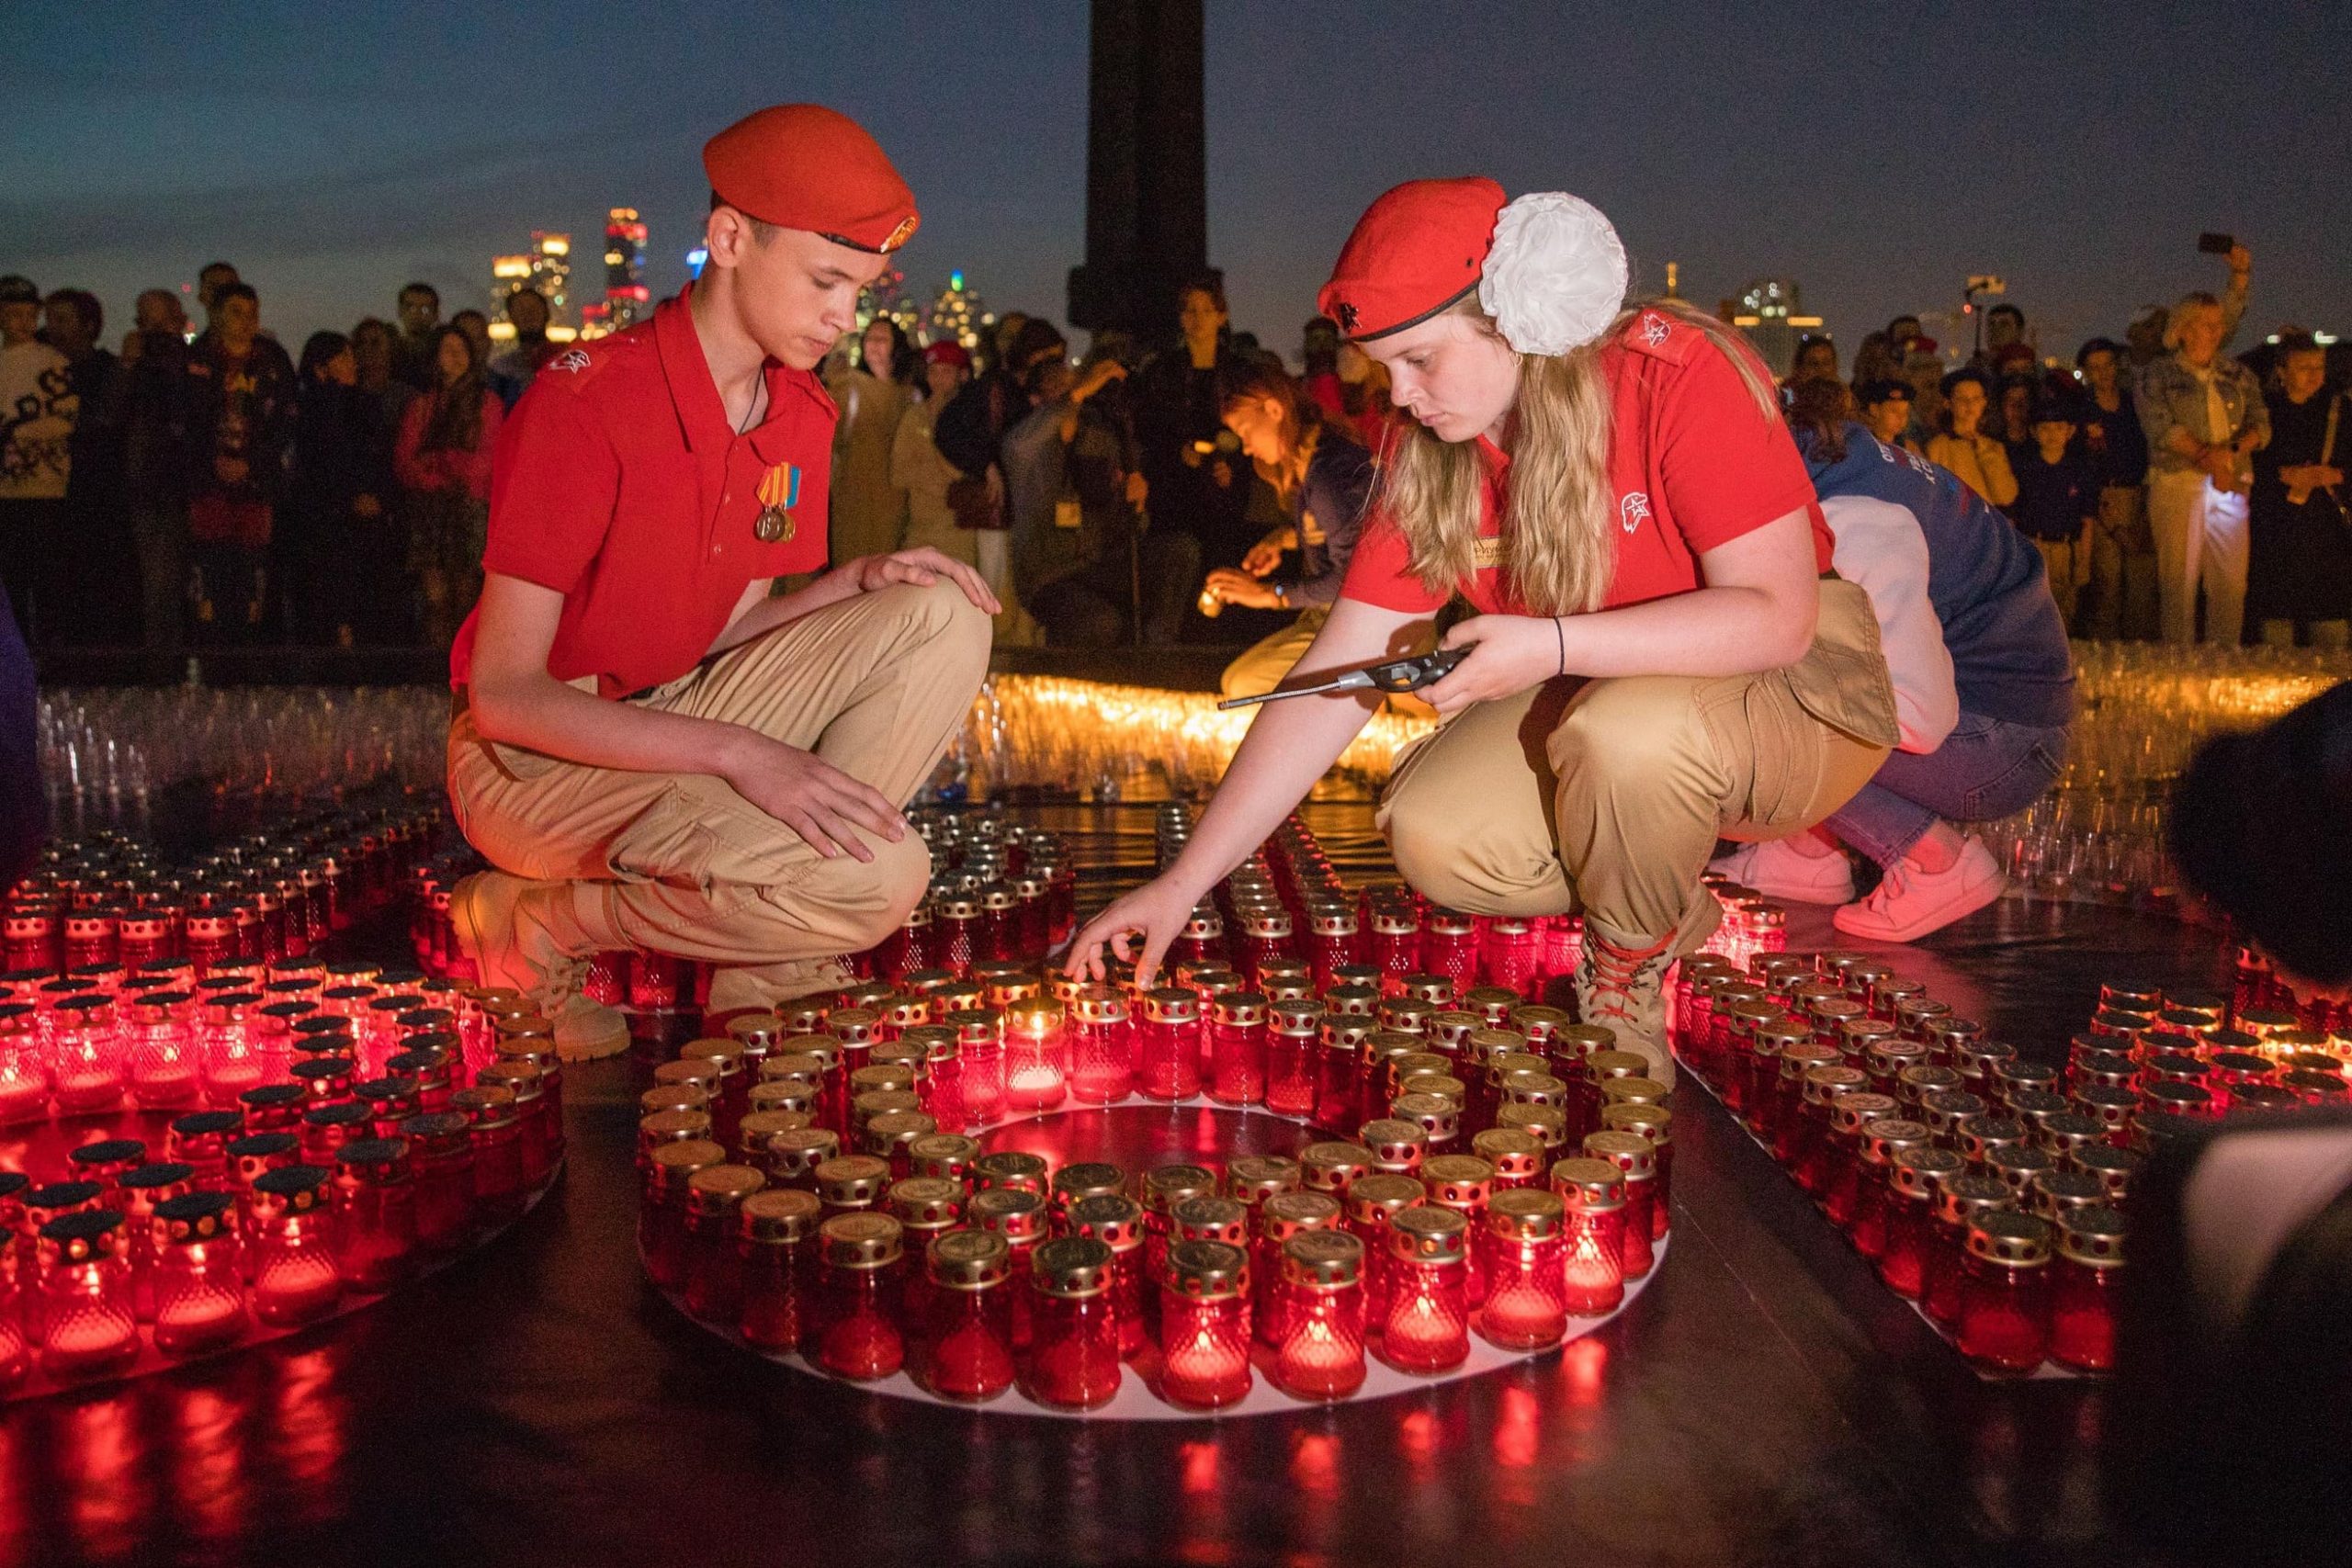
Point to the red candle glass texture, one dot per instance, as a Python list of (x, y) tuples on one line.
[(2083, 1287), (1319, 1354), (966, 1345), (1396, 947), (295, 1277), (1168, 1045), (1522, 1246), (88, 1324), (854, 1324), (1073, 1359), (1427, 1325), (1238, 1048), (1102, 1047), (199, 1292), (2004, 1293), (1508, 956), (1036, 1056), (1592, 1192), (1204, 1326), (777, 1244), (980, 1048)]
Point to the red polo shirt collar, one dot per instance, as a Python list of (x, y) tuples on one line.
[(693, 392)]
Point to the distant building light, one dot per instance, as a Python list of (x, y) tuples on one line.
[(501, 331), (955, 281), (1748, 321), (2322, 338), (1804, 321), (555, 245), (559, 333)]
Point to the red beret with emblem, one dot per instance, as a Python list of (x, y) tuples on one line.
[(1415, 251), (805, 166)]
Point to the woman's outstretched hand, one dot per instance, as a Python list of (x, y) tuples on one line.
[(1156, 912)]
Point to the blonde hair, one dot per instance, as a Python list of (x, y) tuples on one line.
[(1559, 514), (2195, 300)]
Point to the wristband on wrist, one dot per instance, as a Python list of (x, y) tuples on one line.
[(1560, 630)]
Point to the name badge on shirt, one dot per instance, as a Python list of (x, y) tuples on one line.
[(1486, 554), (778, 494)]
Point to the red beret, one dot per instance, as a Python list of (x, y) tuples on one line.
[(947, 351), (1415, 251), (805, 166)]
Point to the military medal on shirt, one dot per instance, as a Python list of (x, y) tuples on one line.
[(779, 493)]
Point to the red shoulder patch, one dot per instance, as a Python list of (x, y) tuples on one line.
[(1660, 336)]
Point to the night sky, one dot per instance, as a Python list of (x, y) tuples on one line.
[(333, 153)]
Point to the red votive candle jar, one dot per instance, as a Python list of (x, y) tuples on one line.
[(1103, 1047), (1202, 940), (1204, 1326), (1319, 1351), (441, 1162), (1874, 1202), (1509, 957), (1164, 1187), (1265, 938), (1913, 1178), (1960, 1202), (1638, 1163), (1592, 1196), (535, 1129), (1373, 1202), (955, 932), (714, 1265), (1463, 1183), (1450, 948), (88, 1326), (662, 1210), (496, 1133), (326, 1128), (965, 1340), (200, 1140), (2083, 1286), (1516, 1154), (854, 1321), (2004, 1293), (1339, 1072), (1427, 1325), (1522, 1246), (1332, 943), (200, 1290), (1395, 949), (136, 1194), (1238, 1048), (295, 1277), (24, 1075), (775, 1242), (980, 1048), (86, 1055), (1837, 1158), (1036, 1056), (1282, 1217), (375, 1213), (1117, 1222), (1168, 1044), (1073, 1359), (1655, 1122)]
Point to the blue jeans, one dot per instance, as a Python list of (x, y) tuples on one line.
[(1986, 768)]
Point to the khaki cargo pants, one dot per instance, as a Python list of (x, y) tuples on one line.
[(1607, 796), (876, 685)]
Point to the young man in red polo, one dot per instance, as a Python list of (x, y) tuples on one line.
[(651, 752)]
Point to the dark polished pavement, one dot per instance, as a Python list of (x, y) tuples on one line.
[(1764, 1401)]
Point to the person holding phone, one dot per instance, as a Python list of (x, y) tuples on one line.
[(2204, 418), (1660, 653)]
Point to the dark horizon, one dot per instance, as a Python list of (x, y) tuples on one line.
[(333, 158)]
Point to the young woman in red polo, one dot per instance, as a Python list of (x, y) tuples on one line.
[(652, 752), (1659, 655)]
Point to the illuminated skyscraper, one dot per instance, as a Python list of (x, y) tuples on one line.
[(546, 267), (627, 299), (1771, 312), (957, 313)]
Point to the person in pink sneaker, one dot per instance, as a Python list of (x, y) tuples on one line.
[(1660, 654), (1983, 686)]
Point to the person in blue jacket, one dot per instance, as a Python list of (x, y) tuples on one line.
[(1984, 685)]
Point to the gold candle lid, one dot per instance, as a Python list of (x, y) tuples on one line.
[(2011, 1239), (703, 1075), (1253, 1179), (1382, 1194), (948, 1155), (1589, 1184), (1074, 1183), (677, 1127), (1285, 1215), (1429, 1234), (1885, 1136), (1438, 1116), (1396, 1145), (1655, 1122), (1346, 1032), (851, 1181), (1449, 1030), (1332, 1165), (716, 1189), (799, 1152), (968, 1260), (757, 1127), (779, 1216), (1581, 1042), (1634, 1091), (1112, 1218), (1526, 1213), (1919, 1173), (925, 1203), (1207, 1270), (1459, 1181), (1072, 1267), (1210, 1218), (1603, 1066), (1548, 1123), (1165, 1186), (1629, 1152), (876, 1102), (1016, 1211), (726, 1054), (1514, 1152), (880, 1075), (1485, 1043), (1323, 1259), (861, 1241), (674, 1164), (1853, 1112), (1012, 1168), (758, 1031), (808, 1066)]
